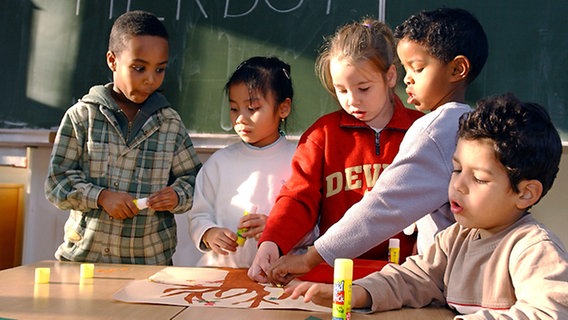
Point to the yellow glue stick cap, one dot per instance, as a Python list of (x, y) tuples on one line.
[(87, 270), (343, 269), (42, 275)]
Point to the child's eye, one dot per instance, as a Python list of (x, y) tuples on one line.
[(456, 171), (233, 107), (138, 68), (479, 181), (364, 89), (253, 108), (418, 70), (160, 70)]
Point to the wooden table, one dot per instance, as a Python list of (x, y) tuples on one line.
[(229, 314), (69, 297)]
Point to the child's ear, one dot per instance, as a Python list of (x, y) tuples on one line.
[(111, 60), (460, 68), (284, 108), (529, 193), (391, 76)]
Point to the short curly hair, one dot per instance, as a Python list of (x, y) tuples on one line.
[(447, 33), (524, 138), (134, 23)]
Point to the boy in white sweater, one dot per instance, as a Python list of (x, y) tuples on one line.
[(497, 261)]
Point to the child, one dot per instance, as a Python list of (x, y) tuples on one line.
[(342, 154), (120, 142), (442, 51), (251, 172), (497, 261)]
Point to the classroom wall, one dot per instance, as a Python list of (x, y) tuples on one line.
[(56, 51), (43, 230), (552, 208)]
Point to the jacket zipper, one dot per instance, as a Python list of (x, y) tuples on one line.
[(377, 143)]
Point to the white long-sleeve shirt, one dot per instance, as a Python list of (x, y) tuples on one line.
[(230, 179)]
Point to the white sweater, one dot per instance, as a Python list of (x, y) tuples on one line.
[(230, 179)]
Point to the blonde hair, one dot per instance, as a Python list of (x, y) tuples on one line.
[(368, 40)]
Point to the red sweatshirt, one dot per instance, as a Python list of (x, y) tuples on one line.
[(338, 159)]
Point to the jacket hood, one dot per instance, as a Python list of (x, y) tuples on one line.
[(101, 95)]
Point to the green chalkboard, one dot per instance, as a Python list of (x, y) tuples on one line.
[(53, 51)]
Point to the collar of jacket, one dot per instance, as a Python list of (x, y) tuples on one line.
[(400, 120)]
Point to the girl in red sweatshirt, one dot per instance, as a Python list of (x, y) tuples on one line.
[(341, 155)]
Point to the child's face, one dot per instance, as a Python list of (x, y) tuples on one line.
[(427, 78), (480, 192), (255, 117), (138, 71), (362, 91)]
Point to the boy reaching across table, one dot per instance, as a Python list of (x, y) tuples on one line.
[(497, 261)]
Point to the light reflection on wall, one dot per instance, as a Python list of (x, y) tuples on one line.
[(55, 31)]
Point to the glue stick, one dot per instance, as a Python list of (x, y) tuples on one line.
[(251, 208), (394, 250), (87, 270), (141, 203), (42, 275), (342, 279)]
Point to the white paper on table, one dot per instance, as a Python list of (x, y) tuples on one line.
[(209, 287)]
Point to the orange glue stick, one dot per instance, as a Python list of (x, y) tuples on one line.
[(251, 208)]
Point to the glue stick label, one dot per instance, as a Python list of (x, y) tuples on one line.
[(342, 282), (394, 250)]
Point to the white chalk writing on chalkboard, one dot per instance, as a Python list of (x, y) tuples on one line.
[(226, 14)]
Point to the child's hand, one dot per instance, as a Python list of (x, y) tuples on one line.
[(221, 240), (163, 200), (318, 293), (266, 255), (255, 223), (322, 293), (118, 205)]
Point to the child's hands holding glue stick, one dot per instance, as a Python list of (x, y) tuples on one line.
[(118, 205), (252, 223), (165, 199), (220, 240)]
